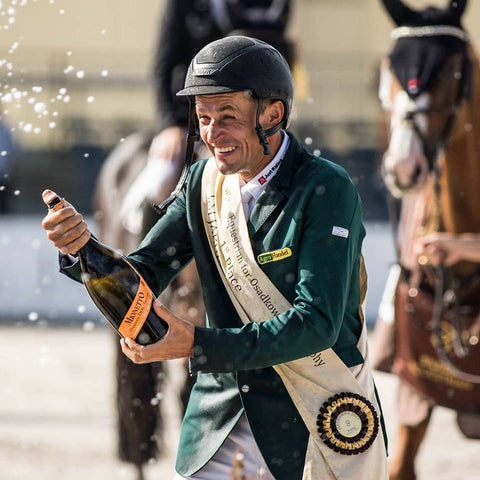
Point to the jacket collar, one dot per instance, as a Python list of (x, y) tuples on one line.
[(277, 189)]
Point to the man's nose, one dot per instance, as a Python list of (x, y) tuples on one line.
[(213, 132)]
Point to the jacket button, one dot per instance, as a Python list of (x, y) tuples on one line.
[(245, 388)]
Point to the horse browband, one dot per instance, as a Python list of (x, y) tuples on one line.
[(429, 31)]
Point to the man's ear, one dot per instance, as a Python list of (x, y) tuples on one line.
[(273, 114)]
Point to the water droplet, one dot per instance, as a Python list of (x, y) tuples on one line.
[(81, 309), (4, 153), (308, 141), (90, 99), (61, 12), (66, 98), (104, 73), (28, 128), (39, 107), (52, 125), (317, 152), (88, 326), (81, 74), (33, 316), (86, 155), (16, 193), (62, 91)]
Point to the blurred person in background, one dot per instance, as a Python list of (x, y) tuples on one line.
[(8, 157), (145, 168)]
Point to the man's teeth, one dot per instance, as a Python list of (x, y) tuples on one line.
[(224, 149)]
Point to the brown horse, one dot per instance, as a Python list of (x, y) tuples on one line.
[(430, 88)]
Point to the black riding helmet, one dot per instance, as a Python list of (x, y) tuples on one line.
[(238, 63)]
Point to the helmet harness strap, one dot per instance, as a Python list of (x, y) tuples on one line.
[(264, 134)]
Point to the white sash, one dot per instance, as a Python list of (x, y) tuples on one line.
[(311, 380)]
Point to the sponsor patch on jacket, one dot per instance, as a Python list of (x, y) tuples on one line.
[(274, 255), (340, 231)]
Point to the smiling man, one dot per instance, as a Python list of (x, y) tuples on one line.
[(283, 368)]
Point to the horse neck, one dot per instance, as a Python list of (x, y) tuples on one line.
[(460, 166)]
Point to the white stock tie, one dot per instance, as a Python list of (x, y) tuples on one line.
[(247, 201)]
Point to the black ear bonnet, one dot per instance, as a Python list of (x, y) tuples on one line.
[(417, 60)]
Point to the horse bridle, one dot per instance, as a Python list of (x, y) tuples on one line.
[(431, 155)]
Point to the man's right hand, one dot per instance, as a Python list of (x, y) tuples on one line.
[(65, 228)]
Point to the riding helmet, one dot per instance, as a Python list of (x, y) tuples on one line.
[(238, 63)]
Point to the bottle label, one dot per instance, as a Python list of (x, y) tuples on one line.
[(133, 321)]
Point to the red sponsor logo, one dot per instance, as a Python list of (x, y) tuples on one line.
[(262, 180)]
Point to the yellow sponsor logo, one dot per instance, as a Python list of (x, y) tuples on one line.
[(274, 256)]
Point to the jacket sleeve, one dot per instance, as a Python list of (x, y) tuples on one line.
[(323, 281)]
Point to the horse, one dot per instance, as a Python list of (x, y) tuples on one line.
[(430, 90)]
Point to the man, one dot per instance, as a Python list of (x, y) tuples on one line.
[(283, 368), (185, 27)]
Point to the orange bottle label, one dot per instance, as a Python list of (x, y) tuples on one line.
[(133, 321)]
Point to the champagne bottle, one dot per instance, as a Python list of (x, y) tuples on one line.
[(118, 290)]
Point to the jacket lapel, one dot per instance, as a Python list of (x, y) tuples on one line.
[(275, 191)]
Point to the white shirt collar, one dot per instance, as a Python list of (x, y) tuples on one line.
[(257, 185), (253, 189)]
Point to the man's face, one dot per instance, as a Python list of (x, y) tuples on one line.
[(227, 127)]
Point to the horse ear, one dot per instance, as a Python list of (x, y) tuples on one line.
[(400, 13), (456, 9)]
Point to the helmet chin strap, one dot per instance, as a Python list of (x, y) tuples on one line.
[(264, 134)]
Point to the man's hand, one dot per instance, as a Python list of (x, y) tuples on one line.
[(177, 342), (65, 228)]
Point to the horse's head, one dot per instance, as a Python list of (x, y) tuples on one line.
[(422, 83)]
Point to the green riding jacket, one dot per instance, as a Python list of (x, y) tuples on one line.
[(299, 208)]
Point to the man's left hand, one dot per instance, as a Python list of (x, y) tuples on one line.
[(177, 342)]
